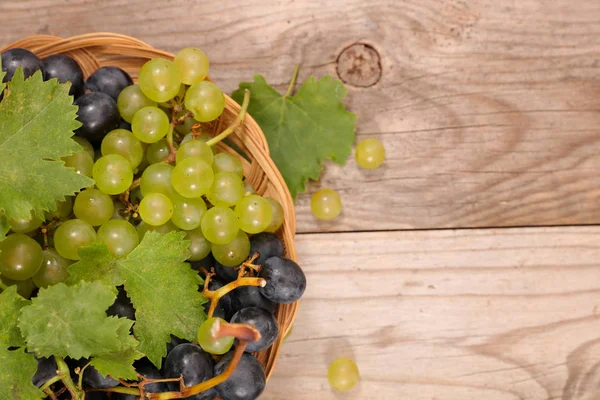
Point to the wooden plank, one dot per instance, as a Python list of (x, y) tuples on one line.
[(469, 314), (488, 109)]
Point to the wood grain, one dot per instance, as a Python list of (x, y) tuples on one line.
[(464, 315), (489, 110)]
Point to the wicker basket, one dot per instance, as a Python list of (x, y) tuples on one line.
[(103, 49)]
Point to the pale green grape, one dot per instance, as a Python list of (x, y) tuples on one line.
[(278, 216), (187, 213), (123, 143), (225, 162), (119, 210), (208, 343), (155, 209), (71, 236), (150, 124), (131, 100), (205, 100), (343, 374), (20, 257), (220, 225), (192, 177), (187, 124), (87, 146), (205, 137), (119, 236), (249, 189), (369, 153), (195, 148), (227, 189), (113, 174), (63, 209), (53, 269), (326, 204), (232, 253), (193, 65), (157, 151), (254, 213), (24, 288), (81, 162), (159, 79), (199, 245), (25, 225), (143, 227), (167, 106), (157, 179), (93, 207)]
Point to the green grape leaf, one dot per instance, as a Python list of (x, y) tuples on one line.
[(161, 286), (71, 321), (302, 130), (2, 74), (10, 306), (4, 227), (37, 120), (15, 375), (119, 364)]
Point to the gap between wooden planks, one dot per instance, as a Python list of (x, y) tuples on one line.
[(495, 314)]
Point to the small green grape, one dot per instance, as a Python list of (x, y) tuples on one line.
[(63, 209), (123, 143), (186, 126), (113, 174), (24, 288), (20, 257), (131, 100), (227, 189), (156, 209), (53, 269), (158, 151), (71, 236), (343, 374), (159, 79), (225, 162), (192, 177), (199, 246), (254, 213), (233, 253), (205, 100), (220, 225), (249, 189), (208, 343), (278, 215), (119, 236), (25, 225), (87, 146), (369, 153), (157, 179), (326, 204), (81, 162), (195, 148), (187, 213), (193, 64), (93, 207), (150, 124)]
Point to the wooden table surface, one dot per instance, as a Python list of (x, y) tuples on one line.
[(467, 267)]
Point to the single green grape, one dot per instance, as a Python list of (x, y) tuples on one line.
[(195, 148), (192, 177), (81, 162), (369, 153), (343, 374), (119, 236), (249, 189), (87, 146), (186, 126), (131, 100), (205, 137), (156, 209), (233, 253), (227, 189), (278, 215), (157, 179), (143, 227), (159, 79), (53, 269), (167, 106), (71, 236), (208, 343), (24, 288), (199, 246), (123, 143), (220, 225), (93, 207), (225, 162), (157, 151), (113, 174), (63, 209), (150, 124), (254, 213), (18, 225), (326, 204), (187, 213), (205, 100), (20, 257), (193, 64)]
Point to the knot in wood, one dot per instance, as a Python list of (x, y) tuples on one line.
[(359, 65)]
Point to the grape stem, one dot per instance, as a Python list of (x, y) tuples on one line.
[(50, 382), (172, 149), (216, 295), (236, 124), (80, 373), (50, 393), (65, 376), (293, 81)]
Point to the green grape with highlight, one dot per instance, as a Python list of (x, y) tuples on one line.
[(93, 207), (131, 100), (71, 236), (326, 204), (278, 216), (193, 64), (195, 148), (53, 269), (123, 143), (187, 213), (113, 174), (199, 246), (157, 179), (24, 225), (157, 151), (343, 374), (20, 257), (159, 79), (192, 177), (225, 162), (220, 225), (205, 100), (156, 209), (119, 236), (254, 213), (227, 189), (208, 343), (150, 124), (63, 209), (233, 253), (81, 162)]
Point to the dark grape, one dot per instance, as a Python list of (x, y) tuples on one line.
[(267, 245), (285, 280), (65, 69), (207, 263), (93, 378), (226, 274), (15, 58), (46, 370), (109, 80), (146, 368), (175, 341), (96, 396), (263, 321), (191, 362), (98, 115), (247, 381), (249, 296), (124, 125), (122, 306), (226, 302)]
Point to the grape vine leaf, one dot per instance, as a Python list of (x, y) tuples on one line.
[(161, 285), (2, 74), (4, 226), (37, 120), (10, 306), (302, 130), (71, 321), (15, 375)]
